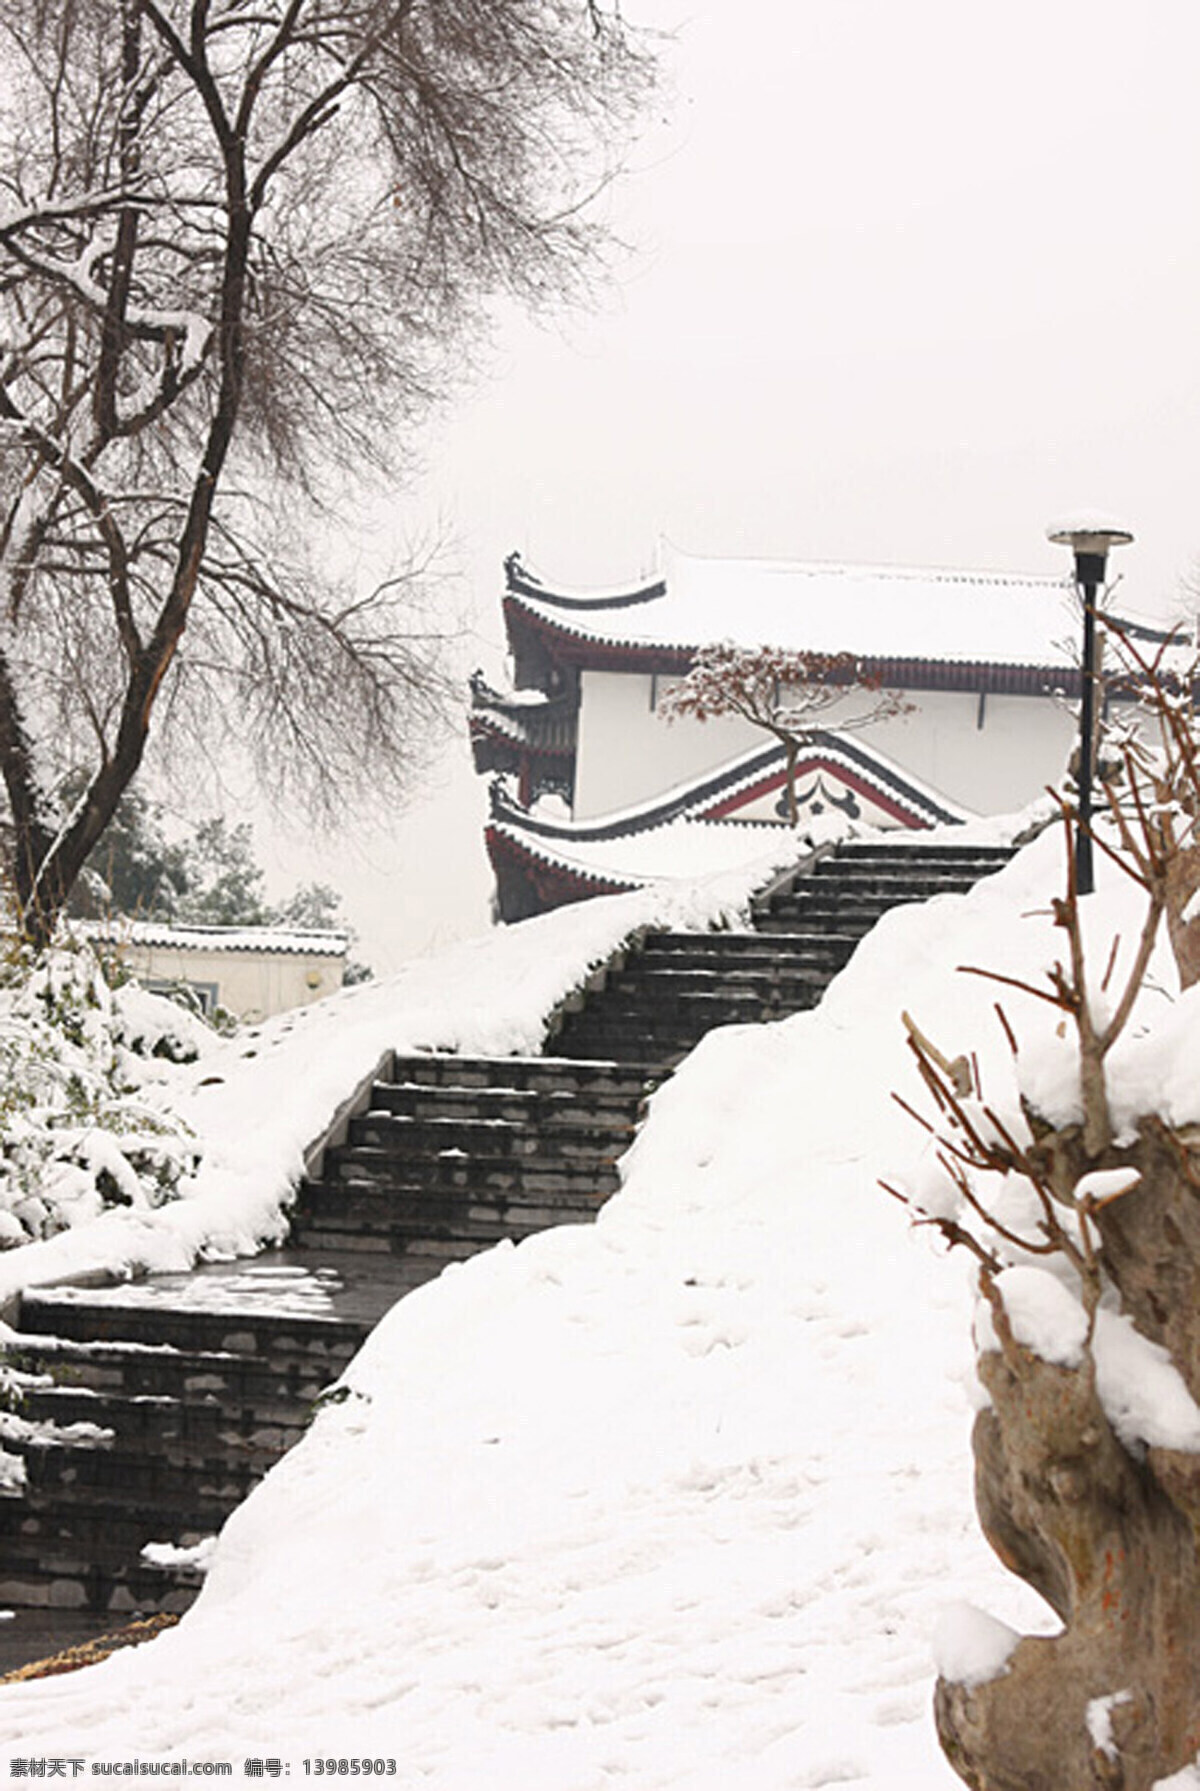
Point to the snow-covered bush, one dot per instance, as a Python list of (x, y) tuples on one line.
[(79, 1128)]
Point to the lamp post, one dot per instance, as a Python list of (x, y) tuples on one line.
[(1089, 538)]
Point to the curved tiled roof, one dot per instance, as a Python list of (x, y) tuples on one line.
[(914, 627), (290, 941), (693, 829), (533, 729)]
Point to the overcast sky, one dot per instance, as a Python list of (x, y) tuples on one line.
[(910, 281)]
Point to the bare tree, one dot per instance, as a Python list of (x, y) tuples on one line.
[(783, 691), (241, 248)]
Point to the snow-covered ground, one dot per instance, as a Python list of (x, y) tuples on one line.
[(676, 1500)]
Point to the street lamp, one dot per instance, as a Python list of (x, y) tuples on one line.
[(1090, 538)]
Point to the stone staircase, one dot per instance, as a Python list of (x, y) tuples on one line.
[(148, 1423), (680, 985), (148, 1412), (457, 1153)]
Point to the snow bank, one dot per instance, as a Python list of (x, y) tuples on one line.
[(81, 1068)]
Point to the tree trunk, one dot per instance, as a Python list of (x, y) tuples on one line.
[(1108, 1538), (1183, 883), (791, 754)]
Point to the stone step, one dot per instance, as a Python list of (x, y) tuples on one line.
[(542, 1074), (75, 1526), (93, 1567), (446, 1206), (914, 846), (88, 1557), (483, 1139), (905, 864), (544, 1110), (879, 885), (185, 1434), (673, 1045), (646, 1005), (259, 1392), (827, 896), (283, 1339), (855, 916), (373, 1166), (139, 1481), (760, 979), (737, 948), (362, 1229), (405, 1268)]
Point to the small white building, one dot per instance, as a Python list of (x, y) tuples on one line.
[(599, 792), (252, 972)]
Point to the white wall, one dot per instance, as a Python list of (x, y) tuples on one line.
[(251, 985), (1022, 745), (629, 753)]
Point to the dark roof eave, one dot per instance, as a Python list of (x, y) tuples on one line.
[(584, 652), (518, 583), (576, 883), (480, 728)]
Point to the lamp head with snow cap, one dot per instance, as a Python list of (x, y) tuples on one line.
[(1090, 536)]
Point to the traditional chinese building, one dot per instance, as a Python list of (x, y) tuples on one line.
[(595, 791)]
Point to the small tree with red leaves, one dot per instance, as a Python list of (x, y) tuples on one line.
[(784, 691)]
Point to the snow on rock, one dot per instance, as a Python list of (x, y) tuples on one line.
[(1103, 1185), (971, 1647), (169, 1554), (1045, 1316), (1143, 1394), (1099, 1721), (1157, 1069)]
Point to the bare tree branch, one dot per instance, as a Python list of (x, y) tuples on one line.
[(242, 249)]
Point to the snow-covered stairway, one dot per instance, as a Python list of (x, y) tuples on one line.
[(666, 996), (146, 1422), (189, 1387), (148, 1412), (457, 1153)]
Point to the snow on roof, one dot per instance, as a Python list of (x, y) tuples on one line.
[(881, 611), (683, 833), (307, 942), (682, 847)]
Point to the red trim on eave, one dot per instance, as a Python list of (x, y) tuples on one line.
[(898, 811), (996, 677), (561, 876)]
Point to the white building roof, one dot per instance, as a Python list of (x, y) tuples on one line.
[(290, 940), (885, 612)]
